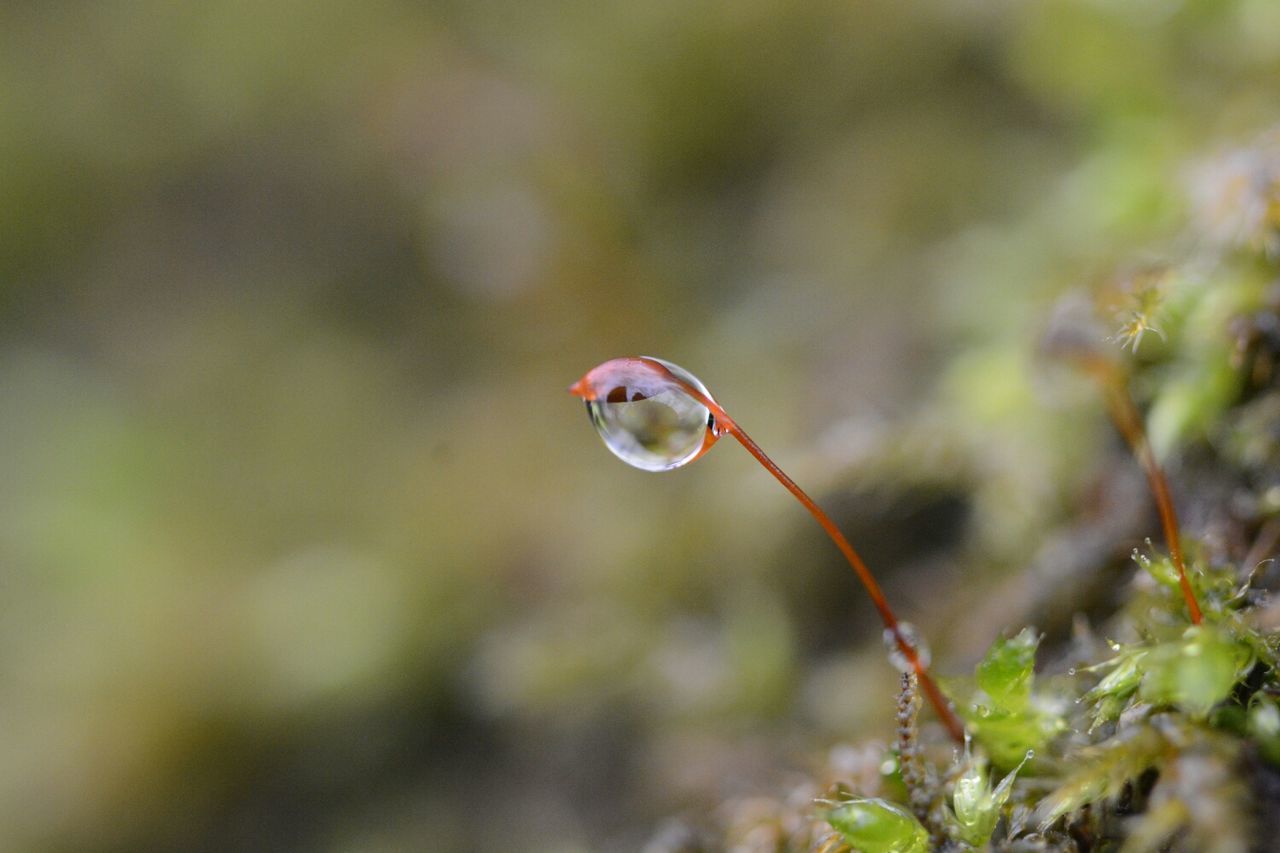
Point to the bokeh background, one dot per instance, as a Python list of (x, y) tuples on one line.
[(303, 546)]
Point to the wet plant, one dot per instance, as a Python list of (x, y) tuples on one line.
[(1158, 729), (657, 416)]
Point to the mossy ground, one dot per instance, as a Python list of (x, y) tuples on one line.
[(1136, 730)]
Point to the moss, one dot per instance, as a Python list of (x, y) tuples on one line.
[(1147, 740)]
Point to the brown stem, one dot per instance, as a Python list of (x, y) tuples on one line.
[(1129, 422), (949, 719)]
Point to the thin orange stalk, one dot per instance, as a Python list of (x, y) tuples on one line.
[(945, 713), (1129, 422)]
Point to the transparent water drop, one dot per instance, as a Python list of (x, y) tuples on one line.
[(911, 636), (645, 416), (1071, 671)]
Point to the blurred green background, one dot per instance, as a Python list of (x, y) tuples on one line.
[(303, 546)]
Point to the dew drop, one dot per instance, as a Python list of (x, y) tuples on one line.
[(1071, 671), (911, 637), (644, 415)]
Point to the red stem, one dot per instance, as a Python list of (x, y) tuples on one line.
[(949, 719), (1129, 422)]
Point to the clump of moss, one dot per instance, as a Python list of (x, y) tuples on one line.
[(1167, 735)]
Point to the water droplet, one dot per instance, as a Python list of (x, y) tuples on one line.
[(911, 637), (644, 414), (1071, 671)]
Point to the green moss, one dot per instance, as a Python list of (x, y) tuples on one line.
[(1194, 672), (1144, 733), (878, 826), (1001, 712)]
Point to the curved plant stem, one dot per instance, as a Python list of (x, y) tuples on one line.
[(1128, 421), (725, 423)]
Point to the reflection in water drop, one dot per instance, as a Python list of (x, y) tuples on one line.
[(909, 634), (645, 417)]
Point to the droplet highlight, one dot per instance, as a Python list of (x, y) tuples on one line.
[(645, 415), (911, 637)]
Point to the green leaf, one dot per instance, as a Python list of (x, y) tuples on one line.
[(1008, 738), (878, 826), (1161, 569), (1194, 672), (1111, 693), (976, 807), (1005, 673), (1001, 713), (1124, 678)]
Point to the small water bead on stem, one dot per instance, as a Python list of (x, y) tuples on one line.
[(656, 416), (905, 634)]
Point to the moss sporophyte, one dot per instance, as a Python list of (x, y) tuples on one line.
[(657, 416), (1167, 699)]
